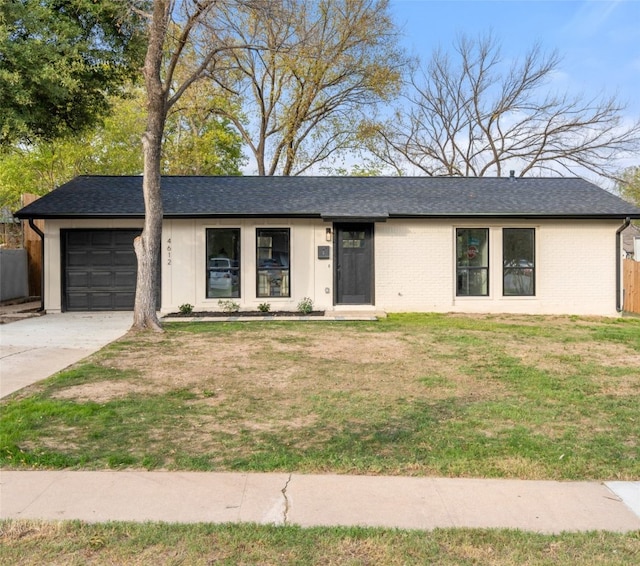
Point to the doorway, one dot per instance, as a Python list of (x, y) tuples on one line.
[(354, 264)]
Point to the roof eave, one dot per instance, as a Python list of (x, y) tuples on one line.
[(546, 216), (328, 217)]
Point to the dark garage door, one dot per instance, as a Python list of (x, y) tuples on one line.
[(99, 271)]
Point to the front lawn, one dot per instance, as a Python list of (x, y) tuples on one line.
[(446, 395)]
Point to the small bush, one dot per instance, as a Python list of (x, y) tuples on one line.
[(264, 307), (305, 306), (186, 308), (227, 305)]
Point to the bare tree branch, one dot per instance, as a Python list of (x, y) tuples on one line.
[(473, 118)]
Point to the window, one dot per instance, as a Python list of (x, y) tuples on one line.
[(223, 262), (472, 262), (272, 258), (518, 261), (354, 239)]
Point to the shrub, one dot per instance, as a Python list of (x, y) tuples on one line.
[(227, 305), (305, 306), (186, 308), (264, 307)]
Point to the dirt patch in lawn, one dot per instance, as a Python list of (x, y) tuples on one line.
[(290, 364), (563, 357), (103, 391)]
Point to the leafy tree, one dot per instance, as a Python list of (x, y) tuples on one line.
[(323, 67), (193, 145), (111, 148), (60, 60), (629, 185), (465, 115), (196, 140)]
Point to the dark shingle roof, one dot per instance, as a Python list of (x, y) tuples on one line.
[(334, 197)]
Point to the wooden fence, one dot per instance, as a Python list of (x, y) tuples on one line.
[(33, 245), (631, 278)]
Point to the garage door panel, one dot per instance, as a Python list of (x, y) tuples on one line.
[(100, 258), (78, 279), (124, 239), (125, 279), (77, 258), (101, 301), (100, 269), (124, 259), (102, 238), (101, 279), (121, 300), (79, 238), (78, 301)]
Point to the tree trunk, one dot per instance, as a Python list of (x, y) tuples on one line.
[(147, 245)]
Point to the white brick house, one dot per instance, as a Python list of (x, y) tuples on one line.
[(503, 245)]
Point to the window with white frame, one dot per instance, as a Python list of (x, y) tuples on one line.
[(272, 261), (472, 262), (518, 262), (223, 263)]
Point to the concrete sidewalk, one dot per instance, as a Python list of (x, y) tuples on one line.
[(35, 348), (311, 500)]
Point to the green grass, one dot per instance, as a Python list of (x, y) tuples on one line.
[(73, 543), (449, 395)]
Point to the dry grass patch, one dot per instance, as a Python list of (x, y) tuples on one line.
[(102, 392)]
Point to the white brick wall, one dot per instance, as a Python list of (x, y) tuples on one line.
[(184, 280), (414, 265), (578, 267), (575, 267)]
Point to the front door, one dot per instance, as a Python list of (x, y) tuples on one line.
[(354, 264)]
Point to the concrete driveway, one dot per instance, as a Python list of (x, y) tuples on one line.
[(35, 348)]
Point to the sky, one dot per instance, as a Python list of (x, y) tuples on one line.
[(598, 40)]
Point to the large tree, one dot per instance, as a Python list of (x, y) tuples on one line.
[(60, 60), (167, 42), (470, 114), (194, 144), (322, 67)]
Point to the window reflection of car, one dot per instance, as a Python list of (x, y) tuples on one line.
[(269, 264), (273, 270), (221, 273)]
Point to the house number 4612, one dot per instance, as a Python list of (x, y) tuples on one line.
[(169, 251)]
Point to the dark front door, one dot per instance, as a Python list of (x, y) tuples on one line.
[(354, 264)]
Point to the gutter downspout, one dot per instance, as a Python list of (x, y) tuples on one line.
[(619, 303), (41, 234)]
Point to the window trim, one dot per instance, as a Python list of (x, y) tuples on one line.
[(260, 232)]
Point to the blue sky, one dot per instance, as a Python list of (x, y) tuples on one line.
[(598, 40)]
